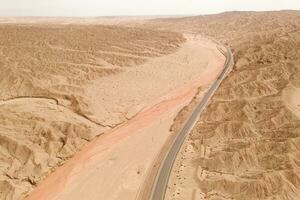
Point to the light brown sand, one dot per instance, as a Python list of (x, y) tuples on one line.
[(49, 107), (246, 144), (63, 85), (115, 165), (291, 95)]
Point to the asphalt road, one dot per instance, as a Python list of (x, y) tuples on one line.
[(161, 181)]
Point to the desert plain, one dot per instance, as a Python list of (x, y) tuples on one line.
[(88, 105)]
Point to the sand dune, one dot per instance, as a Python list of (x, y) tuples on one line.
[(246, 143)]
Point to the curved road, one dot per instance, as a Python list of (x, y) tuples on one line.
[(161, 181)]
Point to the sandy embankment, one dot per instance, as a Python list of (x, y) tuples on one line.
[(115, 165), (246, 143)]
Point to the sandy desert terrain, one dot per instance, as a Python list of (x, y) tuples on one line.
[(61, 86), (246, 143), (118, 163)]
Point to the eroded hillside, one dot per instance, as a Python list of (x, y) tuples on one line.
[(246, 143), (40, 60), (44, 107)]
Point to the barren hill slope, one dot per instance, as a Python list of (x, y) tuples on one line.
[(246, 143)]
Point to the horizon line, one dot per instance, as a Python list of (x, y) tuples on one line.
[(140, 15)]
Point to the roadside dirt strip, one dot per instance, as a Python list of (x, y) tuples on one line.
[(162, 178)]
